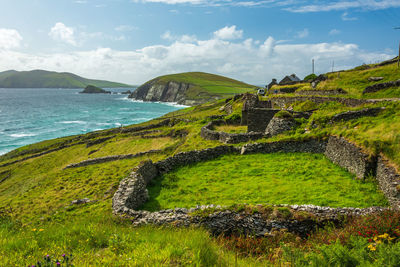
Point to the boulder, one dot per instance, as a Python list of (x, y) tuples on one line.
[(279, 125)]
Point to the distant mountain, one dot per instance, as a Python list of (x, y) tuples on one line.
[(49, 79)]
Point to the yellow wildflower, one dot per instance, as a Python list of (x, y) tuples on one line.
[(41, 230), (34, 229)]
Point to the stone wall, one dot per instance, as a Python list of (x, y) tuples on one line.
[(389, 181), (380, 86), (258, 119), (350, 157), (283, 102), (110, 158), (208, 133), (338, 91), (266, 221), (310, 146), (132, 192), (190, 157), (355, 114)]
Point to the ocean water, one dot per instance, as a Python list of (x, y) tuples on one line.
[(31, 115)]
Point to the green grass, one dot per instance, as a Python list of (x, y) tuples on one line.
[(107, 241), (231, 128), (290, 178)]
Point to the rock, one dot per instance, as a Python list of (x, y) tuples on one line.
[(127, 92), (80, 201), (317, 80), (375, 79), (90, 89), (380, 86), (279, 125)]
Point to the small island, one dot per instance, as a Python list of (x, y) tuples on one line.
[(91, 89)]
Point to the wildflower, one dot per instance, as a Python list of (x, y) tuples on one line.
[(63, 255), (34, 229), (41, 230), (372, 247)]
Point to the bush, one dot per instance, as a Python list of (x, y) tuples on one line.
[(310, 77), (284, 114)]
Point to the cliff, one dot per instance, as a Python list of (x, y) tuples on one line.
[(190, 88)]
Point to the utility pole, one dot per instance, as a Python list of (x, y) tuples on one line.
[(398, 57), (313, 66)]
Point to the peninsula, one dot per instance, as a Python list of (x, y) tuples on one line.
[(50, 79)]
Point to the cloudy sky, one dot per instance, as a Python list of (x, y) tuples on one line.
[(133, 41)]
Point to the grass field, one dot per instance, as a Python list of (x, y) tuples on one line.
[(289, 178)]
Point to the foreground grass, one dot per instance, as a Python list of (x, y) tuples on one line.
[(290, 178), (108, 241)]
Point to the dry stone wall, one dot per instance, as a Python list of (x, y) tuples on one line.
[(380, 86), (208, 133), (338, 91), (221, 220), (389, 181), (258, 119), (350, 157), (283, 102), (355, 114)]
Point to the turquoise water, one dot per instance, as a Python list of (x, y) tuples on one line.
[(32, 115)]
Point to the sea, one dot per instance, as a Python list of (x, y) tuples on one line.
[(31, 115)]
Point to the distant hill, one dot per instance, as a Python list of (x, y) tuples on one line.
[(190, 88), (49, 79)]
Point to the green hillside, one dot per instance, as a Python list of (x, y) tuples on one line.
[(211, 83), (38, 219), (49, 79), (199, 87)]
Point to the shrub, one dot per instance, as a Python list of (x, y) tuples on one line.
[(283, 114), (310, 77)]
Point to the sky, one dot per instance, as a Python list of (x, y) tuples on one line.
[(133, 41)]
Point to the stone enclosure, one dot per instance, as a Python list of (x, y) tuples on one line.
[(132, 192)]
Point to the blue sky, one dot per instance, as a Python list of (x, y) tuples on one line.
[(133, 41)]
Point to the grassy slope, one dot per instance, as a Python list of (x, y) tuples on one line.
[(39, 191), (208, 84), (354, 81), (48, 79)]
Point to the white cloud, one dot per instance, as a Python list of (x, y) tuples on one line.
[(345, 16), (184, 38), (344, 5), (334, 32), (303, 33), (9, 39), (60, 32), (125, 28), (228, 33), (247, 60)]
